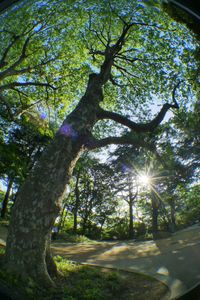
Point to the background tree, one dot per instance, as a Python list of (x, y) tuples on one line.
[(19, 153), (92, 196)]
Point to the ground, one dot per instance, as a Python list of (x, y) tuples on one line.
[(174, 260)]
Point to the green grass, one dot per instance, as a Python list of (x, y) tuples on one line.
[(81, 282), (72, 238)]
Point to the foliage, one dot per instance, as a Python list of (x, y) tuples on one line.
[(92, 199), (116, 229), (72, 238), (189, 212)]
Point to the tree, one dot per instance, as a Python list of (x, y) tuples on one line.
[(92, 195), (126, 167), (19, 153), (119, 36)]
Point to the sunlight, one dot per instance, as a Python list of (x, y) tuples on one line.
[(144, 179)]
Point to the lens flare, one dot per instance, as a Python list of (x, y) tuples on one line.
[(144, 179)]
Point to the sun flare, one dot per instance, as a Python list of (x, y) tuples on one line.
[(144, 179)]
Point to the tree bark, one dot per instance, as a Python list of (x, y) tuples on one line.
[(6, 199), (39, 200)]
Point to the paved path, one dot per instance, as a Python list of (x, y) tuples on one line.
[(175, 260)]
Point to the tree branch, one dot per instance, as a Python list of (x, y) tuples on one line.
[(9, 70), (137, 127), (173, 95), (3, 61), (114, 82), (14, 84), (93, 143), (110, 53), (15, 39), (123, 70)]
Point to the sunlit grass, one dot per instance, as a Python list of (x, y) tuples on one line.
[(81, 282)]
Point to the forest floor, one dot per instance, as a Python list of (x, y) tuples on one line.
[(175, 261)]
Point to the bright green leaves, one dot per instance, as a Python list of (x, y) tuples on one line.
[(155, 50), (62, 42)]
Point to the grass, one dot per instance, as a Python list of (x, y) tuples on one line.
[(72, 238), (80, 282)]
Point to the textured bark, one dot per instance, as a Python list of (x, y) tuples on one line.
[(39, 200), (6, 199)]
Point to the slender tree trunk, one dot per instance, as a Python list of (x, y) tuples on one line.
[(6, 199), (173, 217), (62, 218), (131, 230), (131, 201), (155, 207), (75, 221), (77, 201)]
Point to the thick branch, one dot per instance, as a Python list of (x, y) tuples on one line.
[(14, 84), (110, 53), (173, 95), (93, 143), (21, 58), (15, 37), (11, 72), (3, 61), (138, 127)]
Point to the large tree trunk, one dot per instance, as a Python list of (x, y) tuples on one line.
[(39, 200), (6, 199), (36, 208)]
